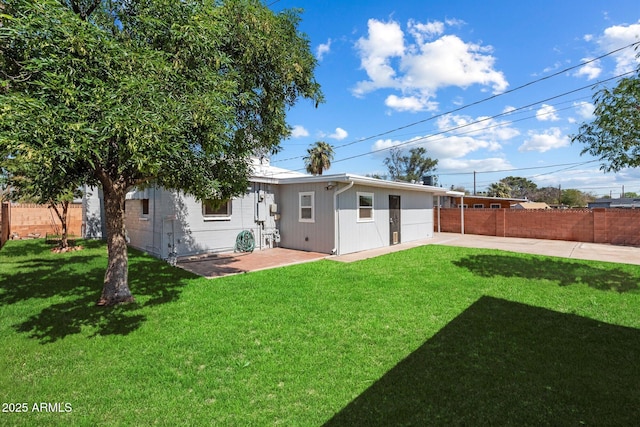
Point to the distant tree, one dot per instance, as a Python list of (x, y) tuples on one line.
[(130, 93), (318, 158), (499, 189), (631, 194), (521, 188), (548, 195), (575, 198), (411, 167), (614, 135)]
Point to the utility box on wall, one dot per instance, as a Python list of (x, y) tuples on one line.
[(261, 212)]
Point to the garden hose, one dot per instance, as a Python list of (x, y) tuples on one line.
[(245, 242)]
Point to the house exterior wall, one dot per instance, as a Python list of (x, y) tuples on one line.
[(416, 218), (177, 220), (474, 202), (93, 214), (316, 236)]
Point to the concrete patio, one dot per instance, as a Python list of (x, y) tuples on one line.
[(218, 265)]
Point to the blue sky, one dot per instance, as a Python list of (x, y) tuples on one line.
[(446, 75)]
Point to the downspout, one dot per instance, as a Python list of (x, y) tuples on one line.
[(336, 218), (461, 214)]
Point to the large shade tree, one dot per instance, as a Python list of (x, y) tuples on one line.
[(614, 134), (128, 93)]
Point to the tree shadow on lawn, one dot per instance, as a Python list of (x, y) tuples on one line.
[(558, 270), (506, 363), (74, 282)]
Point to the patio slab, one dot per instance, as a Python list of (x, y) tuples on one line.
[(218, 265)]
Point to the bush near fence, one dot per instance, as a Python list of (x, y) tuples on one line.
[(614, 226)]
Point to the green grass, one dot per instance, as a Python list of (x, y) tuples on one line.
[(430, 336)]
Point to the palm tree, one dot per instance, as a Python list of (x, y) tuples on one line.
[(318, 158)]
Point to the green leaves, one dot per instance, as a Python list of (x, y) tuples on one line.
[(319, 157), (410, 167), (614, 135)]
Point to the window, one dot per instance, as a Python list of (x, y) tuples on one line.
[(478, 206), (365, 206), (495, 205), (145, 206), (216, 209), (306, 208)]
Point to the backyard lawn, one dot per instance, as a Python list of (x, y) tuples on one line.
[(430, 336)]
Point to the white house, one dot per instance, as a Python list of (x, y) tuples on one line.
[(338, 213)]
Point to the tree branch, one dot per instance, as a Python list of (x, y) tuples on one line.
[(75, 5)]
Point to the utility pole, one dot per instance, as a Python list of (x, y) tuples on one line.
[(474, 183), (559, 194)]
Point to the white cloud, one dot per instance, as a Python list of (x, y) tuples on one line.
[(420, 69), (428, 30), (547, 113), (541, 142), (619, 36), (591, 70), (299, 131), (449, 61), (339, 134), (468, 135), (481, 127), (584, 109), (410, 103), (479, 165), (385, 41), (323, 49)]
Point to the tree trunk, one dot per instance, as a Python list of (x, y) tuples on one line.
[(62, 216), (116, 286), (64, 241)]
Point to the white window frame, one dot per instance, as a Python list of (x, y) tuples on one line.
[(495, 206), (218, 216), (358, 207), (478, 206), (311, 206)]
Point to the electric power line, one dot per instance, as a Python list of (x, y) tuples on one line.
[(463, 107)]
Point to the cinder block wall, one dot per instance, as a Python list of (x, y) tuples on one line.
[(26, 219), (615, 226)]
